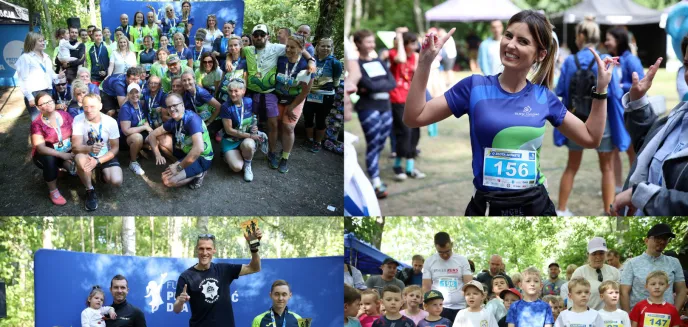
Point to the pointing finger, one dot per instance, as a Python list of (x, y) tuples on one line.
[(184, 291), (597, 57)]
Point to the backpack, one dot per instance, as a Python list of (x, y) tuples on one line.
[(580, 102)]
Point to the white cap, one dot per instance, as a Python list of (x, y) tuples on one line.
[(133, 86), (597, 244), (261, 27), (475, 284)]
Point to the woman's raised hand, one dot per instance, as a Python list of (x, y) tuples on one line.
[(432, 45), (604, 70), (640, 87)]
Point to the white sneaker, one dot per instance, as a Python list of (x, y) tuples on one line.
[(248, 173), (400, 177), (136, 168), (417, 174), (565, 213)]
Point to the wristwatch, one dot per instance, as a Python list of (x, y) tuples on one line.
[(595, 95), (179, 168), (98, 161)]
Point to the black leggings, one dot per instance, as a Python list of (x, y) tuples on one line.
[(319, 110), (407, 138), (49, 164)]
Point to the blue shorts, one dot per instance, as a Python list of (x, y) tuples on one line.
[(200, 165), (606, 145), (229, 145)]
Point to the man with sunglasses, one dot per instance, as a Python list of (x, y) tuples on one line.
[(62, 93), (190, 145), (596, 271), (447, 272), (261, 63), (205, 286), (636, 269)]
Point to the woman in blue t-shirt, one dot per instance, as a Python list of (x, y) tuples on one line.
[(507, 115), (617, 44), (241, 130), (181, 50), (147, 55), (614, 136)]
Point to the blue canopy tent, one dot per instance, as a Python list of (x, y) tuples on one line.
[(14, 24), (364, 256)]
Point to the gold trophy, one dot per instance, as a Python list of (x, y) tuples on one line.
[(305, 322), (249, 228)]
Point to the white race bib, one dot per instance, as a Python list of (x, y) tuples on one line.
[(316, 98), (510, 169), (450, 284), (374, 69)]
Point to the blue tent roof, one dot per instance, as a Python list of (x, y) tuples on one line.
[(364, 256)]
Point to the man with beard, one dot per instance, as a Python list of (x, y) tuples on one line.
[(636, 270), (414, 275), (552, 286), (378, 282), (128, 315), (206, 285)]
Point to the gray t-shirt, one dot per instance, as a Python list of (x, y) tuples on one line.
[(552, 288), (636, 270), (377, 283)]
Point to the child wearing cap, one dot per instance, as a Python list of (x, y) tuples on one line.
[(509, 296), (352, 302), (391, 298), (530, 311), (495, 306), (611, 314), (474, 314), (412, 297), (655, 311), (433, 303), (580, 314), (370, 308), (556, 303)]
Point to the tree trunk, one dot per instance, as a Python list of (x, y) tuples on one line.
[(81, 228), (366, 10), (418, 14), (92, 11), (347, 17), (47, 232), (621, 228), (278, 239), (169, 228), (202, 224), (176, 246), (49, 22), (330, 23), (152, 238), (357, 12), (93, 238), (129, 235), (377, 238)]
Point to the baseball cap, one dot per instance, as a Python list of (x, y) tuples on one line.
[(659, 230), (260, 27), (597, 244), (553, 264), (133, 86), (432, 295), (173, 58), (474, 283), (512, 291), (58, 80), (390, 260)]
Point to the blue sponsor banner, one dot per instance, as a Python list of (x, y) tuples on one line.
[(12, 45), (224, 10), (63, 280)]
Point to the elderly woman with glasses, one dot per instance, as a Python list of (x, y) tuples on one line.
[(596, 271), (208, 75), (191, 146), (51, 145), (241, 130)]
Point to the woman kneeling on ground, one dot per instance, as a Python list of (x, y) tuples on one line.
[(239, 141)]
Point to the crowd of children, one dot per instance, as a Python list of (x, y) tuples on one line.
[(395, 307)]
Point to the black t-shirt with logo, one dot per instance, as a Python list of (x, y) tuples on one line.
[(210, 301), (127, 316)]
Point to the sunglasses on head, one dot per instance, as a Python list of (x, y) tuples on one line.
[(210, 236), (238, 80), (61, 84), (259, 34)]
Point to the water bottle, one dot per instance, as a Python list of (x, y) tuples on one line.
[(432, 130)]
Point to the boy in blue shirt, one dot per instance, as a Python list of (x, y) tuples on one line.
[(530, 311)]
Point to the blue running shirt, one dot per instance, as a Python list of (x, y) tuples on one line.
[(503, 120)]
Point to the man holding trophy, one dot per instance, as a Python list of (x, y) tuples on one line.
[(205, 285)]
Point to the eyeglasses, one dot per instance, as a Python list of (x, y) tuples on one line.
[(210, 236), (599, 275), (61, 84), (259, 34), (173, 106), (44, 103), (661, 238)]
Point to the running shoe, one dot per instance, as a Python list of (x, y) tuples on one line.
[(316, 147), (57, 198), (381, 191), (417, 174), (399, 174), (273, 161), (136, 168), (283, 167), (248, 172), (197, 182), (565, 213), (91, 200)]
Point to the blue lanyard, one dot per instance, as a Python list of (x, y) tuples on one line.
[(284, 317), (100, 47), (199, 54), (223, 45), (139, 114)]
